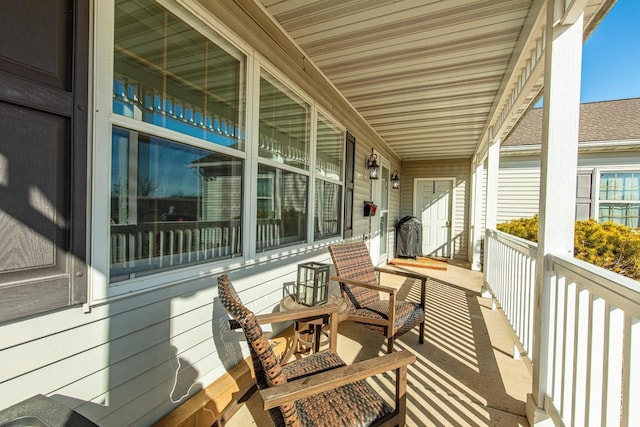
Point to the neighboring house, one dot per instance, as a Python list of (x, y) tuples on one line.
[(608, 181)]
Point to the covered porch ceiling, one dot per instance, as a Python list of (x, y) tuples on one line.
[(436, 79)]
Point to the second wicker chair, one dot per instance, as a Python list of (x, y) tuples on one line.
[(360, 288)]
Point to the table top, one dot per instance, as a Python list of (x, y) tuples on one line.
[(288, 303)]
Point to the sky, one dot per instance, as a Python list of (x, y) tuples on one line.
[(611, 56)]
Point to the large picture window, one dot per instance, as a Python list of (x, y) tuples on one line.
[(619, 200), (173, 203)]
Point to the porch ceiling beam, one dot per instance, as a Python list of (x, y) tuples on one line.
[(522, 69)]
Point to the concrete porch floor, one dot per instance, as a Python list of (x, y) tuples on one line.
[(464, 375)]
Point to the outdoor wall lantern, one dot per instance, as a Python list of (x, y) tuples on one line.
[(312, 286), (372, 165), (395, 180)]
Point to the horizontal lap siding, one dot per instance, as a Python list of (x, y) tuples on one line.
[(117, 365), (458, 169), (519, 180), (518, 188)]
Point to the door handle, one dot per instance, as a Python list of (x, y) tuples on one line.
[(448, 224)]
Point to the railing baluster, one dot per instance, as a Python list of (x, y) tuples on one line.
[(152, 246), (598, 325), (180, 248), (569, 352), (631, 372), (582, 359), (614, 368)]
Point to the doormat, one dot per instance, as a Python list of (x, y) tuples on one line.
[(420, 262)]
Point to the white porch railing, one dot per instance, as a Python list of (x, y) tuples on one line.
[(591, 355), (510, 271)]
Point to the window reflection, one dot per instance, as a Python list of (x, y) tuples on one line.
[(284, 126), (330, 149), (282, 208), (171, 204), (168, 74), (327, 221)]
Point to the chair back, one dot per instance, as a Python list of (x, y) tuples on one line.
[(352, 261), (266, 364)]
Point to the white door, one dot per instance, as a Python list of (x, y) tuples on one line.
[(433, 207)]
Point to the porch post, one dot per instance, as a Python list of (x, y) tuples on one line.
[(476, 205), (563, 55), (491, 208), (493, 166)]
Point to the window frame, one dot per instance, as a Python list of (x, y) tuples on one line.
[(340, 182), (103, 119), (596, 189)]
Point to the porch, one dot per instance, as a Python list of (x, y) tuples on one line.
[(465, 373)]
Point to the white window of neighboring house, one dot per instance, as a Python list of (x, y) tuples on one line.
[(619, 198)]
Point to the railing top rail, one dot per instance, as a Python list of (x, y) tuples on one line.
[(517, 243), (615, 288)]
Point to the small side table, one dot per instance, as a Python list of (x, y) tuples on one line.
[(308, 333)]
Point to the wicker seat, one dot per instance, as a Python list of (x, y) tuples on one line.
[(360, 288), (320, 389)]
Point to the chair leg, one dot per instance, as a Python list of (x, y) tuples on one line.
[(390, 345), (421, 338)]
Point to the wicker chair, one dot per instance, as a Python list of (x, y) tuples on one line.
[(360, 288), (320, 389)]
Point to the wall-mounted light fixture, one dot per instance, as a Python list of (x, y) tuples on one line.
[(395, 180), (372, 165)]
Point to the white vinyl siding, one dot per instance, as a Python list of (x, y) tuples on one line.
[(519, 180), (518, 188)]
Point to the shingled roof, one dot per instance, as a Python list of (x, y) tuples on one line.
[(617, 120)]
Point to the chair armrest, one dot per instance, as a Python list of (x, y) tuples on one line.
[(409, 274), (286, 316), (329, 380), (385, 289)]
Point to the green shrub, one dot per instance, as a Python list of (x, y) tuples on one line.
[(608, 245)]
